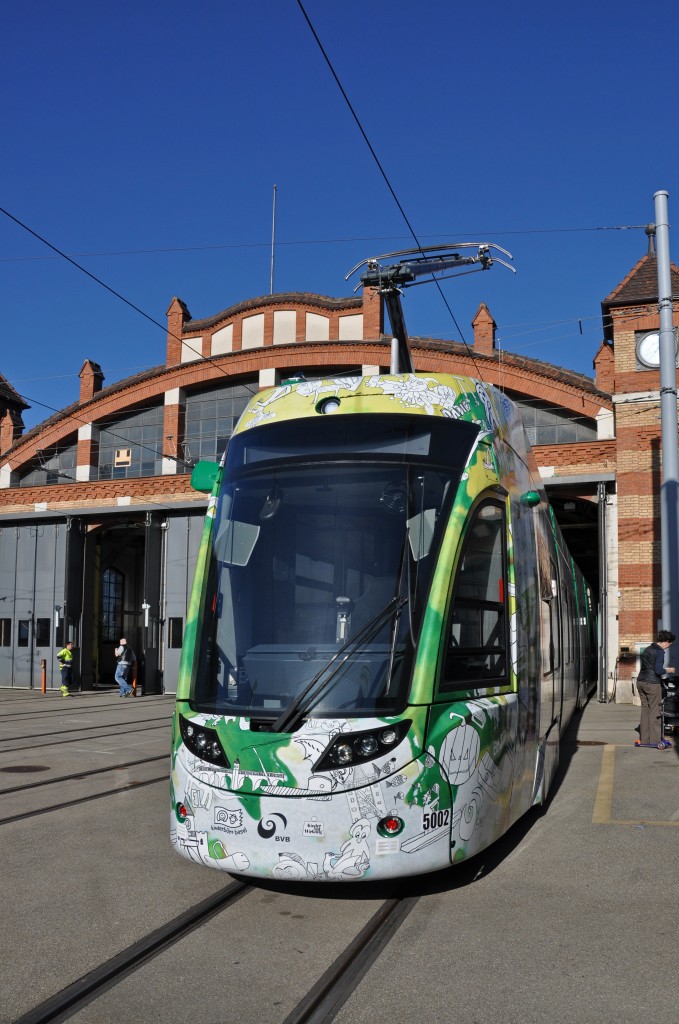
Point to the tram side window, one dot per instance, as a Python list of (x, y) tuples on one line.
[(477, 637), (550, 624)]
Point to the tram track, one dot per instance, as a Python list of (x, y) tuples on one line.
[(76, 776), (320, 1004), (93, 984), (337, 983), (126, 788), (84, 736), (59, 707), (87, 728)]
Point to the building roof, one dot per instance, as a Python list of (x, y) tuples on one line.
[(639, 288), (279, 299), (538, 366), (641, 284), (75, 409), (10, 396)]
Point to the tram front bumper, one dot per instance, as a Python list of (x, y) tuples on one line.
[(337, 836)]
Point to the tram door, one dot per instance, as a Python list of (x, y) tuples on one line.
[(550, 686), (527, 652)]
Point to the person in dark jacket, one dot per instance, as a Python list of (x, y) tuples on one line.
[(649, 688), (126, 659)]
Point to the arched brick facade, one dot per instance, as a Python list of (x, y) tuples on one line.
[(262, 340)]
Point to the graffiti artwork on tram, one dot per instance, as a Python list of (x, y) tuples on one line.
[(456, 792)]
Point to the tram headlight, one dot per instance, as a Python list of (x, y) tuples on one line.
[(203, 741), (359, 747), (343, 753), (388, 737), (367, 745)]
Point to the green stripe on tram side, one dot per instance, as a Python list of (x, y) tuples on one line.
[(188, 663)]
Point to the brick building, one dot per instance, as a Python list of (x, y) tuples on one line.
[(99, 526)]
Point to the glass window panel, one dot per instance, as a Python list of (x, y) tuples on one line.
[(567, 433), (111, 614), (477, 632), (42, 632), (175, 633)]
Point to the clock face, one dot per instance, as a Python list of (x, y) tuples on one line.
[(648, 349)]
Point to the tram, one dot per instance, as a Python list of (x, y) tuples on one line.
[(386, 636)]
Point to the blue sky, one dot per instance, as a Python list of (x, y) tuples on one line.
[(143, 138)]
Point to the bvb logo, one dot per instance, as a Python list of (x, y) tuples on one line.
[(268, 827)]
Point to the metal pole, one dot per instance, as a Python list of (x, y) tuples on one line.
[(602, 690), (273, 237), (669, 490)]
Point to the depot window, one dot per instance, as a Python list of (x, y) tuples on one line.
[(477, 632)]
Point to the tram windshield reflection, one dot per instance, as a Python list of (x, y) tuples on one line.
[(308, 551)]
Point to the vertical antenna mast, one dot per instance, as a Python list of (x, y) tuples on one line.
[(273, 237)]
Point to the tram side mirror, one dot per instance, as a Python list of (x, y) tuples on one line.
[(204, 475), (235, 542), (531, 498)]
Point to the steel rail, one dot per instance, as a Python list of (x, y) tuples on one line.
[(82, 800), (58, 706), (87, 728), (97, 981), (82, 775), (335, 986)]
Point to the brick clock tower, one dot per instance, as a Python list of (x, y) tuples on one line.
[(627, 366)]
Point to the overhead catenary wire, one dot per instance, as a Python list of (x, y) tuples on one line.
[(382, 171), (163, 327), (59, 253), (162, 250)]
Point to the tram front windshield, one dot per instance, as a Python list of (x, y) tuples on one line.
[(324, 543)]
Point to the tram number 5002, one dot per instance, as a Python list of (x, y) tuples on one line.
[(435, 819)]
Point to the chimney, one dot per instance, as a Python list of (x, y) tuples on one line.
[(177, 316), (484, 331), (373, 315), (91, 378), (11, 427)]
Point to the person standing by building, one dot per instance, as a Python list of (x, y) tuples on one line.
[(65, 659), (649, 687), (126, 661)]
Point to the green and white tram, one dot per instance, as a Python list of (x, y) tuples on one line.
[(386, 636)]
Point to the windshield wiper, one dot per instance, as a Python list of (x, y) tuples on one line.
[(313, 689)]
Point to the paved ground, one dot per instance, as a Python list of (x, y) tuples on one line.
[(571, 918)]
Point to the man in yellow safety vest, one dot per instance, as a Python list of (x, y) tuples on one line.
[(65, 659)]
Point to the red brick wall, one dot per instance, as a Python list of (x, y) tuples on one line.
[(580, 457), (62, 497)]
